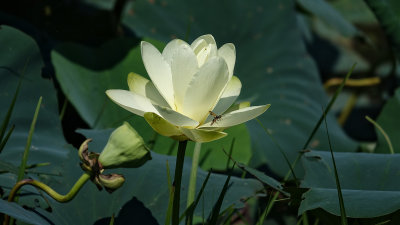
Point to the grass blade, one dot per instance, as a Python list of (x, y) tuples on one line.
[(377, 126), (316, 127), (217, 207), (24, 160), (268, 208), (305, 218), (314, 131), (230, 154), (230, 211), (112, 219), (339, 189), (193, 174), (22, 167), (242, 219), (189, 212), (4, 141), (63, 109), (325, 112), (171, 197), (9, 112)]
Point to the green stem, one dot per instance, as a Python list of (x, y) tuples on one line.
[(193, 174), (48, 190), (177, 181)]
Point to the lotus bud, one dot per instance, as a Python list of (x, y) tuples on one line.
[(125, 148)]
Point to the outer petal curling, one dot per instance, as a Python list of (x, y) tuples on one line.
[(237, 106), (131, 101), (163, 127), (229, 95), (201, 136), (238, 116), (205, 88), (145, 88), (159, 71), (228, 52)]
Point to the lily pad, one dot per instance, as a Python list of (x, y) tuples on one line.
[(370, 183), (272, 64), (21, 214)]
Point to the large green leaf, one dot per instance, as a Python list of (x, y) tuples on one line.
[(86, 73), (370, 183), (145, 186), (272, 64), (18, 212), (21, 60), (389, 121)]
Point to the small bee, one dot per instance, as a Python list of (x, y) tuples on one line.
[(216, 117)]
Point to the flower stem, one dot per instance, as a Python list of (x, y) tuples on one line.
[(193, 174), (177, 181), (56, 196)]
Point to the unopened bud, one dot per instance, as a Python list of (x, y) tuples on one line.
[(125, 148)]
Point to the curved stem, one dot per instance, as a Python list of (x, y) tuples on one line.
[(377, 126), (177, 181), (56, 196), (193, 174)]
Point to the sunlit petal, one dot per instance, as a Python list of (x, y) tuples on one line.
[(170, 49), (131, 101), (205, 88), (229, 95), (159, 71), (183, 67), (228, 52), (175, 117), (146, 88), (238, 116)]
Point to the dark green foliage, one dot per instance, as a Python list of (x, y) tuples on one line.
[(370, 183)]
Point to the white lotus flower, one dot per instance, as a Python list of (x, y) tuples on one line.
[(191, 89)]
